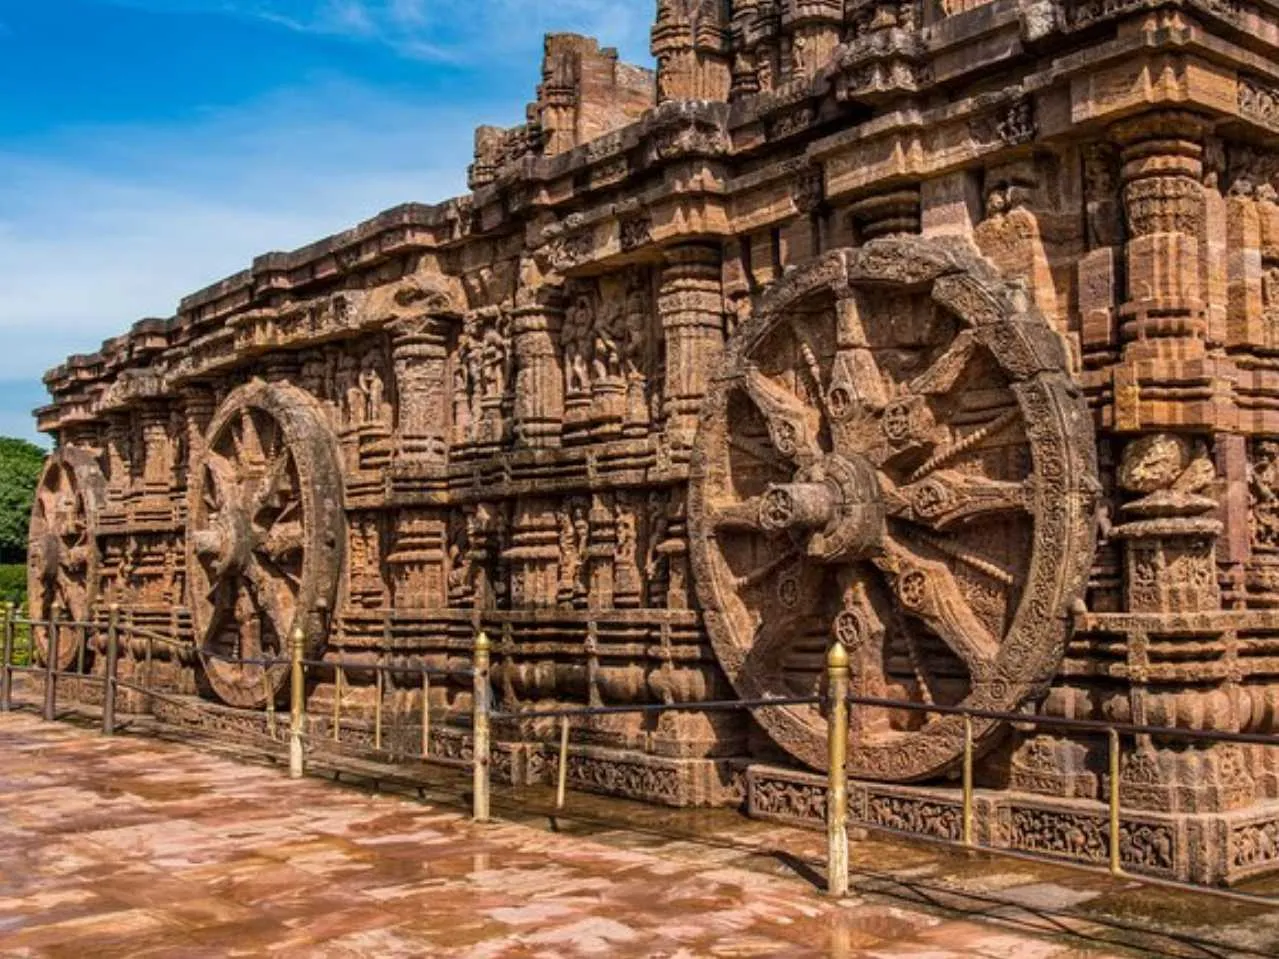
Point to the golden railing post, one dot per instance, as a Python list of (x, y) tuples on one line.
[(426, 713), (968, 780), (338, 673), (1116, 866), (480, 729), (51, 669), (113, 660), (297, 705), (561, 784), (6, 660), (377, 710), (837, 755)]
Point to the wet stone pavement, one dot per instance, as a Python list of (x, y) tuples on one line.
[(138, 847)]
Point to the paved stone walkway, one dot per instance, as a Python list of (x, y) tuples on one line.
[(136, 847)]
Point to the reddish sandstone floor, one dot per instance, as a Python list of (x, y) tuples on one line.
[(136, 847)]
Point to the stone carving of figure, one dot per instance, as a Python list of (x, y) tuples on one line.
[(371, 386), (655, 573), (348, 387), (575, 530), (635, 329), (1263, 488), (606, 353), (464, 384), (577, 327), (493, 359)]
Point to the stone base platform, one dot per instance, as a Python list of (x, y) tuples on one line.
[(1223, 848)]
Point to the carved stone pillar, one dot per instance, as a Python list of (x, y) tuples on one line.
[(814, 27), (416, 563), (534, 554), (691, 45), (691, 306), (601, 551), (419, 354), (886, 214), (539, 372), (157, 464), (1162, 183), (119, 457), (756, 35)]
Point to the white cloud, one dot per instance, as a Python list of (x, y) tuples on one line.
[(463, 31), (107, 225)]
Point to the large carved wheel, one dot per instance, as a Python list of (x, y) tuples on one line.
[(62, 552), (264, 537), (895, 457)]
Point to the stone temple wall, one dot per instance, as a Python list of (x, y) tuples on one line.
[(944, 331)]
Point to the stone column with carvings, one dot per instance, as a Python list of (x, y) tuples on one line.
[(539, 370), (1161, 174), (157, 464), (419, 355), (814, 27), (690, 304), (691, 42)]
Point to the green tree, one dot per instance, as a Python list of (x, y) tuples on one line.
[(20, 465)]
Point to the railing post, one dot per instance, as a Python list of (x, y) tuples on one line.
[(338, 674), (1116, 865), (480, 728), (51, 669), (968, 780), (561, 783), (113, 660), (297, 705), (6, 660), (379, 683), (426, 713), (837, 754)]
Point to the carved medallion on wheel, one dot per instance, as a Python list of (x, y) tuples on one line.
[(62, 551), (895, 457), (264, 538)]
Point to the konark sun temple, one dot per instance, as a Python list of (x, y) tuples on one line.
[(944, 330)]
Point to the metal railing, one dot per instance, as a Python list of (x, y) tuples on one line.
[(837, 701)]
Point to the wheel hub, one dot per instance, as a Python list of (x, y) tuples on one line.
[(833, 509)]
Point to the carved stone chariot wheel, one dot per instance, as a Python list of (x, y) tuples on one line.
[(265, 537), (895, 457), (62, 553)]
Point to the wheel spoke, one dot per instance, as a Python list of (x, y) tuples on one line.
[(265, 591), (283, 539), (944, 373), (792, 426), (739, 517), (950, 453), (927, 590), (947, 498)]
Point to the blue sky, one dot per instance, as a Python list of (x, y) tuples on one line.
[(150, 147)]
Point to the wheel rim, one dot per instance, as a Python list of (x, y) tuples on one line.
[(62, 569), (264, 538), (895, 457)]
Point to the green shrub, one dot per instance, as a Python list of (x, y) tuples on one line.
[(13, 583)]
